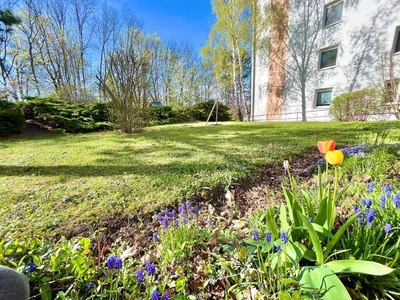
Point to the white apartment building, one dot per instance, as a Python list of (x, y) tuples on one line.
[(329, 47)]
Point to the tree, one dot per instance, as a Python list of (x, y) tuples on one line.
[(7, 21), (228, 43), (127, 80)]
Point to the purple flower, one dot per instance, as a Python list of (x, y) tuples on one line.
[(172, 214), (278, 248), (383, 202), (165, 222), (150, 268), (358, 210), (188, 205), (30, 268), (159, 216), (166, 211), (388, 188), (367, 203), (182, 209), (190, 215), (140, 276), (196, 209), (165, 296), (256, 237), (284, 237), (90, 286), (396, 200), (155, 237), (369, 216), (176, 223), (155, 295), (185, 220), (387, 228), (114, 262), (370, 186), (310, 219), (268, 237)]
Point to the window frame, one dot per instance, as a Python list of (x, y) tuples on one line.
[(388, 85), (317, 91), (326, 7), (321, 51), (396, 41)]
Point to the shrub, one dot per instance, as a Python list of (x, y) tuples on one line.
[(73, 118), (159, 115), (355, 106), (11, 119), (201, 111)]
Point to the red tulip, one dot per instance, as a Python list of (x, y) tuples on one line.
[(325, 146)]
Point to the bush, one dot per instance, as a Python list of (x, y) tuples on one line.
[(355, 106), (73, 118), (201, 111), (159, 115), (11, 119)]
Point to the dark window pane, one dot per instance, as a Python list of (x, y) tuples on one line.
[(333, 13), (324, 98), (328, 58), (397, 48)]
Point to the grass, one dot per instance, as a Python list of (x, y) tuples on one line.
[(62, 185)]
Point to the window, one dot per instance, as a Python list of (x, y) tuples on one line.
[(333, 13), (391, 90), (324, 97), (328, 58), (397, 41)]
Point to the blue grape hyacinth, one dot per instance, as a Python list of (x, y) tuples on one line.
[(284, 237), (256, 236), (140, 276), (150, 268), (114, 262), (268, 237), (155, 295), (30, 268), (387, 228)]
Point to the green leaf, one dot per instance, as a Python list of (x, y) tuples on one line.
[(45, 291), (310, 208), (321, 283), (322, 216), (283, 218), (358, 267), (313, 238), (180, 283), (271, 224), (338, 235), (85, 243)]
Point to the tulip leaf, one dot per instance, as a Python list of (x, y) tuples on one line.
[(283, 218), (321, 283), (338, 235), (358, 267), (313, 238)]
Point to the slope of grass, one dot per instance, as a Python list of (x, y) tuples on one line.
[(52, 185)]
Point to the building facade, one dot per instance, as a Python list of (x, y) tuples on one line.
[(319, 49)]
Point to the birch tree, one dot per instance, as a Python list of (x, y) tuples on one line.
[(231, 34)]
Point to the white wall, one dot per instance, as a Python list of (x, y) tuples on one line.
[(365, 34)]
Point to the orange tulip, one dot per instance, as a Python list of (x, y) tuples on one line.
[(334, 157), (325, 146)]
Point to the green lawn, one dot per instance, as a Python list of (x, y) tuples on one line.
[(55, 184)]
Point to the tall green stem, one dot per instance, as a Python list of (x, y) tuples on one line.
[(335, 183)]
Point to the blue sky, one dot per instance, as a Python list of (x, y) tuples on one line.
[(178, 20)]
